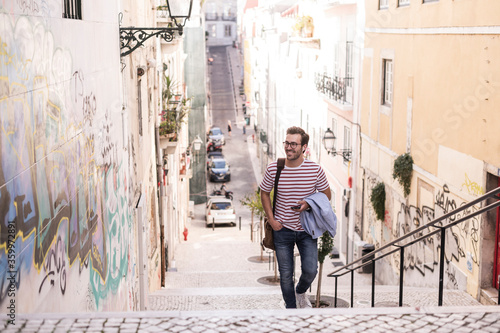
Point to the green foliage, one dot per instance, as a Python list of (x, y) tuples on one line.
[(253, 202), (302, 22), (377, 199), (173, 114), (170, 87), (403, 170), (325, 246)]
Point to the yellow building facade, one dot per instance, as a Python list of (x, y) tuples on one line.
[(431, 88)]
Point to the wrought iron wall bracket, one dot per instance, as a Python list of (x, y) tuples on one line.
[(346, 153), (131, 38)]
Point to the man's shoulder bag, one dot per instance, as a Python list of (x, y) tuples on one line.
[(268, 240)]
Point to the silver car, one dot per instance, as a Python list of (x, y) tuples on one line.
[(216, 134)]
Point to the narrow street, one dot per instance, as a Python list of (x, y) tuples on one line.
[(221, 268)]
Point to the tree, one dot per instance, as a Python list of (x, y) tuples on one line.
[(253, 202), (325, 246)]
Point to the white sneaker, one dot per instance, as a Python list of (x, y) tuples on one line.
[(302, 301)]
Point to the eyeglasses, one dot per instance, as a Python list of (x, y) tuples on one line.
[(293, 145)]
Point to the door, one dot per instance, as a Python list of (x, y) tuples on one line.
[(496, 266)]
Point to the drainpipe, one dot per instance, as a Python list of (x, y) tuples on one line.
[(159, 170)]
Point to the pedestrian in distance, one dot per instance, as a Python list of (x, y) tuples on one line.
[(229, 127), (299, 179), (244, 129)]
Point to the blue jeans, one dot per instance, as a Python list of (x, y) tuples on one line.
[(284, 243)]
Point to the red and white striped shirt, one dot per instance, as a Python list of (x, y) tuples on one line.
[(294, 185)]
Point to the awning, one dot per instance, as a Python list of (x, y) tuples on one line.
[(291, 12)]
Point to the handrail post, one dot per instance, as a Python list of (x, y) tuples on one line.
[(401, 275), (498, 300), (336, 280), (441, 266), (352, 288), (373, 282)]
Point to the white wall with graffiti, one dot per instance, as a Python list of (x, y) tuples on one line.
[(431, 197), (67, 232)]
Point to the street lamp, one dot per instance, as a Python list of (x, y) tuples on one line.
[(180, 10), (329, 143), (197, 142), (132, 38)]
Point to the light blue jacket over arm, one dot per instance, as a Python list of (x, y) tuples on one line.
[(320, 218)]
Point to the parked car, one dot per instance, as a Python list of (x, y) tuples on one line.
[(212, 155), (218, 170), (214, 145), (216, 134), (219, 210)]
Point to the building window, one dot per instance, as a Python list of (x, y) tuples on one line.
[(347, 144), (227, 30), (334, 128), (388, 82), (72, 9), (347, 138), (383, 4), (336, 63), (212, 28), (348, 64), (334, 200), (402, 3)]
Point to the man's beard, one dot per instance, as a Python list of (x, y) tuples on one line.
[(295, 155)]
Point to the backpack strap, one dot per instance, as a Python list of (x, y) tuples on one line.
[(280, 166)]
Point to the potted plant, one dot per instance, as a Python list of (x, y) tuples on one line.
[(304, 26), (377, 199), (308, 29), (325, 247), (402, 171), (171, 122)]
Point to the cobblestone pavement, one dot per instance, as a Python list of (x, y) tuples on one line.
[(444, 319)]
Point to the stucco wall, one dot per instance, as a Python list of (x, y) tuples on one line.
[(63, 173), (443, 112)]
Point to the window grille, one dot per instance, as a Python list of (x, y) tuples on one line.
[(72, 9)]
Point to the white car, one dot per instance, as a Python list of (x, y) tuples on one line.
[(220, 210)]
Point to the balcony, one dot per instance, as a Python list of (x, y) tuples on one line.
[(335, 88), (217, 17)]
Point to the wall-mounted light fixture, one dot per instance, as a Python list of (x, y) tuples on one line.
[(132, 37), (329, 144), (197, 142)]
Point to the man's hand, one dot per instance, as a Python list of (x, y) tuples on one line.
[(303, 206), (276, 225)]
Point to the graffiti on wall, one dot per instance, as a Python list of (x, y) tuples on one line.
[(62, 182), (421, 259), (423, 256)]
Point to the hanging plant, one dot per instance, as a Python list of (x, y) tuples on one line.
[(377, 199), (403, 170)]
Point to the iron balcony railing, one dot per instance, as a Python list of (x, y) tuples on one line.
[(217, 17), (334, 87), (403, 242)]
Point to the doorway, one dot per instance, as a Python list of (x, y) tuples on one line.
[(496, 263), (490, 249)]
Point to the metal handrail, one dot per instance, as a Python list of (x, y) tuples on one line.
[(371, 258)]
